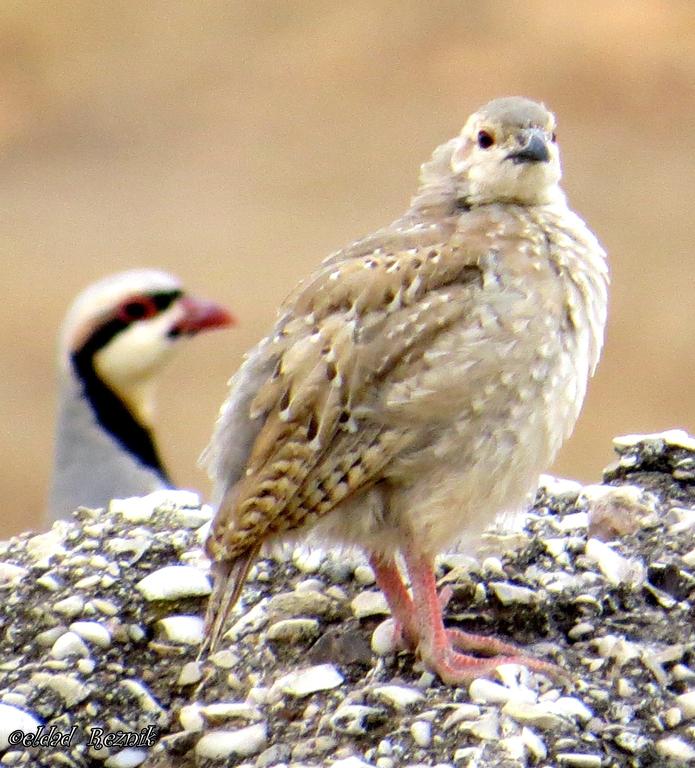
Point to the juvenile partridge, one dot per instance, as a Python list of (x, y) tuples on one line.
[(118, 334), (418, 381)]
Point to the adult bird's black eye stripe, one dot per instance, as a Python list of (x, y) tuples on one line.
[(165, 299)]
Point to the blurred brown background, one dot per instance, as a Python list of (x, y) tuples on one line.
[(238, 143)]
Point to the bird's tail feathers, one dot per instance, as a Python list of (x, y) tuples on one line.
[(230, 576)]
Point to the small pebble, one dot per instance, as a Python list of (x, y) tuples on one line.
[(384, 641), (356, 719), (71, 606), (14, 719), (174, 582), (674, 748), (421, 731), (370, 603), (686, 703), (183, 630), (399, 696), (126, 758), (485, 691), (364, 575), (303, 682), (190, 674), (578, 760), (307, 560), (219, 745), (92, 632), (69, 644), (510, 594), (293, 630)]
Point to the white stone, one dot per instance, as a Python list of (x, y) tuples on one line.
[(399, 696), (618, 648), (384, 641), (293, 630), (578, 760), (43, 547), (559, 486), (631, 742), (184, 630), (244, 742), (461, 712), (492, 566), (190, 674), (69, 644), (686, 703), (673, 717), (370, 603), (303, 682), (678, 438), (421, 731), (689, 558), (471, 756), (92, 632), (353, 719), (541, 714), (11, 575), (674, 748), (307, 560), (194, 517), (571, 522), (616, 568), (572, 708), (14, 719), (191, 718), (230, 710), (69, 688), (174, 582), (580, 630), (509, 594), (350, 762), (515, 747), (224, 659), (534, 744), (71, 606), (486, 728), (364, 575), (485, 691), (251, 620), (145, 699), (139, 509), (126, 758)]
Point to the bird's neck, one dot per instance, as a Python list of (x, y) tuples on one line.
[(126, 419)]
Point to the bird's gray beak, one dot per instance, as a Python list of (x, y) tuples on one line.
[(201, 315), (533, 150)]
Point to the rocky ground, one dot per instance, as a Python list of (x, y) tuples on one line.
[(101, 620)]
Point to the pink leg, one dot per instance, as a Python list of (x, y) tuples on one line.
[(389, 580), (436, 644)]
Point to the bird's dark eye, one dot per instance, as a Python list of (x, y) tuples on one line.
[(485, 139), (137, 308), (553, 137)]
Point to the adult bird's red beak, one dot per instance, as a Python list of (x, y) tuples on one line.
[(201, 315)]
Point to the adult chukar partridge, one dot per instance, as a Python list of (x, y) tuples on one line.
[(418, 381), (116, 337)]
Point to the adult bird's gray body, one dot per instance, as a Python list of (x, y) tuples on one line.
[(417, 382), (116, 337)]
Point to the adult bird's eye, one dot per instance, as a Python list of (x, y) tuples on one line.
[(553, 137), (485, 139), (137, 309)]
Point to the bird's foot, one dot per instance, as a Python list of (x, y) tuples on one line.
[(457, 668)]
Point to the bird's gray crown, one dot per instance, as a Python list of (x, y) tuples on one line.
[(516, 111)]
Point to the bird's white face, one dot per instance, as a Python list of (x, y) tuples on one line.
[(507, 152), (126, 328)]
